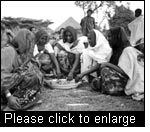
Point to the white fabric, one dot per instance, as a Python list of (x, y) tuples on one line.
[(86, 63), (98, 54), (134, 69), (137, 30), (66, 46), (80, 46), (75, 50), (102, 51), (48, 47)]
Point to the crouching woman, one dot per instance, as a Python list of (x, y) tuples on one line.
[(20, 79)]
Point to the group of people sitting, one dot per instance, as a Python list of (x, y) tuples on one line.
[(109, 63)]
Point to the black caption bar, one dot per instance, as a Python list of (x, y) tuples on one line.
[(73, 119)]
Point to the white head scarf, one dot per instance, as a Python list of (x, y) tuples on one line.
[(137, 30), (101, 52)]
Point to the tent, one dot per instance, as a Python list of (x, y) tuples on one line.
[(69, 22)]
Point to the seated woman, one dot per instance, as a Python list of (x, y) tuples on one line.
[(20, 85), (68, 53), (97, 52), (44, 54), (125, 72)]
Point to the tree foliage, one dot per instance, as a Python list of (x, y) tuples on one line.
[(94, 5), (123, 16)]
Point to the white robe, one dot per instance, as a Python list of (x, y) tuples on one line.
[(98, 54), (48, 47), (135, 70), (75, 50)]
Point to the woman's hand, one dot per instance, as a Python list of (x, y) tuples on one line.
[(59, 75), (70, 76), (13, 102), (78, 77)]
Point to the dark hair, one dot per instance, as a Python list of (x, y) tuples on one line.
[(39, 34), (89, 10), (138, 12), (118, 44), (61, 30), (72, 31)]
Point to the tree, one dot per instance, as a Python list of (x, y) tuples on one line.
[(94, 5), (123, 16)]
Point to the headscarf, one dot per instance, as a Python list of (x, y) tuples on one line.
[(6, 36), (119, 42), (72, 31), (101, 51), (23, 42), (41, 33)]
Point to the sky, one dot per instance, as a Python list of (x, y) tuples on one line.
[(56, 11)]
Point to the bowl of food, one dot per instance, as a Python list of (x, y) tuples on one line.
[(63, 84)]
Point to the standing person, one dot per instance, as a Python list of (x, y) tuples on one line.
[(87, 23), (137, 28), (44, 54), (20, 85)]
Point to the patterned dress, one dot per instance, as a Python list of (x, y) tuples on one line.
[(110, 82), (24, 83)]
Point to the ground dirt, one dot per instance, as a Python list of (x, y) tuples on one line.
[(84, 98)]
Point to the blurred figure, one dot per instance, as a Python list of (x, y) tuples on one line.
[(61, 33), (6, 35), (87, 23), (137, 28)]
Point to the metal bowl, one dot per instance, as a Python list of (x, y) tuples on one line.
[(63, 84)]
